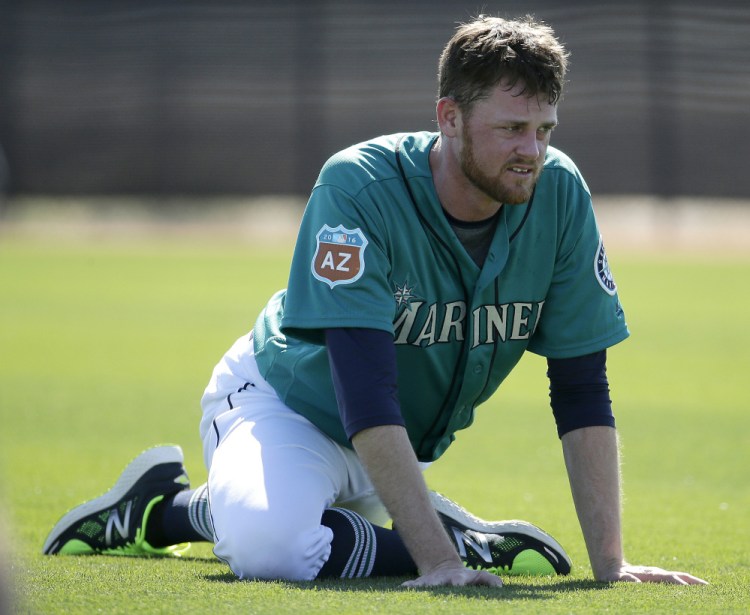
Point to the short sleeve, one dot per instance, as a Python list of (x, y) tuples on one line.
[(582, 312), (339, 272)]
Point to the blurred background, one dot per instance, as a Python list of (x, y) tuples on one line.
[(164, 98)]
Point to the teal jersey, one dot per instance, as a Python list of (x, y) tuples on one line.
[(375, 250)]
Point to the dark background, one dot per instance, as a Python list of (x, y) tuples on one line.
[(183, 97)]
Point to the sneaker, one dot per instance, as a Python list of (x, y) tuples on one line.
[(500, 547), (114, 523)]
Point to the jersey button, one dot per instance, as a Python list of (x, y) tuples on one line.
[(478, 368)]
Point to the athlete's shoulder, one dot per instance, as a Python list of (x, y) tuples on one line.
[(558, 166), (359, 165)]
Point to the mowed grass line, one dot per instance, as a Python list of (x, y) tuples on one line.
[(104, 350)]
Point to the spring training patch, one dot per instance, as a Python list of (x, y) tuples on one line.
[(602, 270), (339, 256)]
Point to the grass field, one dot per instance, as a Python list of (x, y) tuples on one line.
[(105, 349)]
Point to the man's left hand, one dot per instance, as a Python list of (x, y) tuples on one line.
[(652, 574)]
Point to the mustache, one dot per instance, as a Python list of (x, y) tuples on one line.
[(533, 162)]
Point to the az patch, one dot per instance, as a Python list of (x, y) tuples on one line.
[(339, 256), (602, 270)]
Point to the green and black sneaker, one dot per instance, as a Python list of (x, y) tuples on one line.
[(115, 522), (500, 547)]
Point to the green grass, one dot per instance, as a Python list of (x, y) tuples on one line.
[(104, 350)]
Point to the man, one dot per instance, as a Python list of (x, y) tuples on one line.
[(426, 265)]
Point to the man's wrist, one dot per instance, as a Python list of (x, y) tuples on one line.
[(449, 563), (609, 569)]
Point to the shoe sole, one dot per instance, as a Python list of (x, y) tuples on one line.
[(452, 510), (130, 475)]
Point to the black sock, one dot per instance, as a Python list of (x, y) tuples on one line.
[(360, 549), (169, 522)]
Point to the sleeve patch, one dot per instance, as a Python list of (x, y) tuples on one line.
[(339, 255), (602, 270)]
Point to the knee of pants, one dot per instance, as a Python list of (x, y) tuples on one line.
[(256, 546)]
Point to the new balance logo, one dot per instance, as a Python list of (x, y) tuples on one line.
[(474, 540), (113, 521)]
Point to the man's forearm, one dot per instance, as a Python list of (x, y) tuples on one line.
[(387, 455), (592, 460)]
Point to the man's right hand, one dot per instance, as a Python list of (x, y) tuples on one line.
[(387, 455), (455, 577)]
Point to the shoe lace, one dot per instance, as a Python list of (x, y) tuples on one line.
[(140, 546)]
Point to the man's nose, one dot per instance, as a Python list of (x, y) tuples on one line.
[(530, 145)]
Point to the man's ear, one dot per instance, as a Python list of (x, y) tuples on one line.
[(448, 116)]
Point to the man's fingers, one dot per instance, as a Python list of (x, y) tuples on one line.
[(628, 578), (651, 574), (689, 579), (455, 578), (488, 579), (683, 578)]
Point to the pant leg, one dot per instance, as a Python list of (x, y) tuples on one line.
[(271, 475), (270, 480)]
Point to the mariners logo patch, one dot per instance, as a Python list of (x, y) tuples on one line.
[(404, 294), (339, 256), (602, 271)]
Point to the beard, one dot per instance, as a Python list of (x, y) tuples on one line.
[(502, 191)]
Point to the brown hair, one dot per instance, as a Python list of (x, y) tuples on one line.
[(488, 50)]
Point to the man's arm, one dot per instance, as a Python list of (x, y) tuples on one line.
[(389, 459), (592, 461), (363, 369)]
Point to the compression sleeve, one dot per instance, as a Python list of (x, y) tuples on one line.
[(579, 392), (363, 368)]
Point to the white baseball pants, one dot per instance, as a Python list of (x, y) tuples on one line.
[(271, 475)]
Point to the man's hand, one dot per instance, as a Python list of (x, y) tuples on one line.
[(455, 576), (592, 461), (390, 461), (651, 574)]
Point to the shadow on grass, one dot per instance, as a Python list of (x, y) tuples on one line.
[(525, 589)]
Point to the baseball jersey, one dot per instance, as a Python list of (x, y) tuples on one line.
[(375, 250)]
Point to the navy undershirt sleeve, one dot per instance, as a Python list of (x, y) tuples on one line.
[(363, 367), (579, 392)]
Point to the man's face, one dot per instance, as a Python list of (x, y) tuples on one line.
[(504, 141)]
